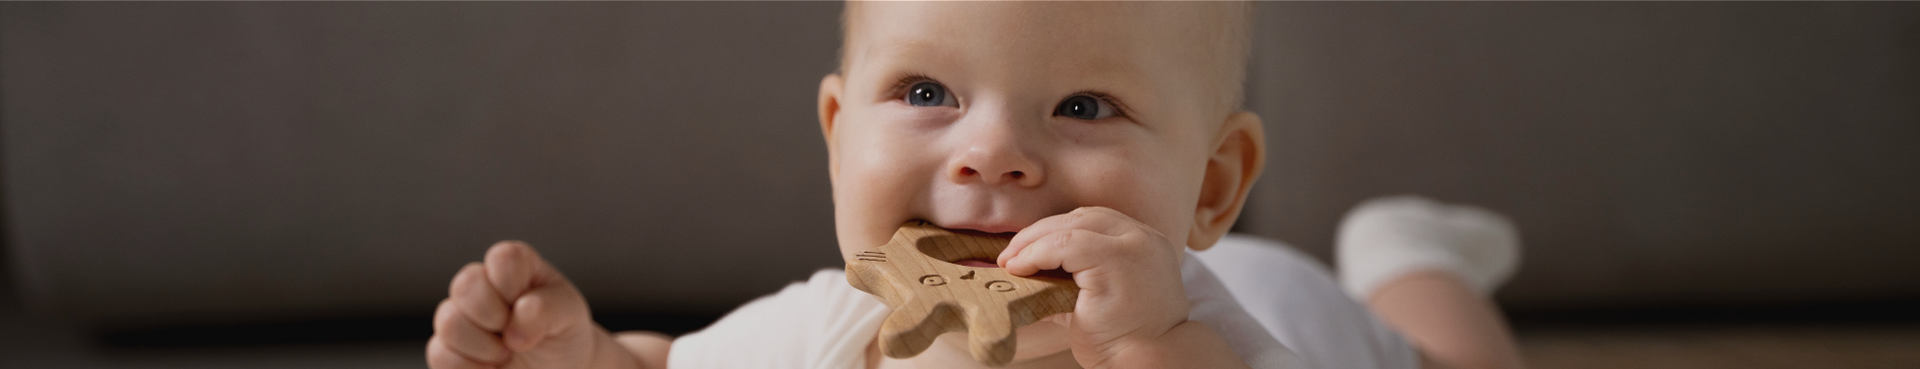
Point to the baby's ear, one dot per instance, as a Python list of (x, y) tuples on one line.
[(831, 87), (1238, 155)]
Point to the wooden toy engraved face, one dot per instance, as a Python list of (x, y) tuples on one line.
[(917, 275)]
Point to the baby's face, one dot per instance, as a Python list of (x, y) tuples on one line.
[(991, 116)]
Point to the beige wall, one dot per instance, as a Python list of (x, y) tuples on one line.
[(225, 161)]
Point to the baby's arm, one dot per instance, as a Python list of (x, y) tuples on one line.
[(515, 311), (1132, 310)]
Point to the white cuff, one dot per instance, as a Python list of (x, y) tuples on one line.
[(1387, 237)]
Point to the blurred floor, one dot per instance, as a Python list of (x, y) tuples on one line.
[(28, 341), (36, 343), (1859, 334), (32, 342), (1558, 343), (1733, 346)]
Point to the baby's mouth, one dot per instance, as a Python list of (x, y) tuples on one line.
[(996, 229), (979, 262)]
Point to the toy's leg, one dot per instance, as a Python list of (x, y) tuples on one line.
[(907, 333), (990, 337)]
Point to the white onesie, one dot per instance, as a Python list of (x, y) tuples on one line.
[(1292, 302)]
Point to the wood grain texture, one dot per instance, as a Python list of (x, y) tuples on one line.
[(917, 275)]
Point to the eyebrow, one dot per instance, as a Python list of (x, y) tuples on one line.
[(896, 50)]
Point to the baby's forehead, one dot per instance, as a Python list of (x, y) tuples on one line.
[(1024, 60)]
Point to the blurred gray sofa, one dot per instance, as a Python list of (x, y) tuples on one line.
[(218, 162)]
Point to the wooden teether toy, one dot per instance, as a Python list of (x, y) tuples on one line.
[(916, 273)]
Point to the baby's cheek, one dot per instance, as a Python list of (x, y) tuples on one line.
[(1140, 189), (871, 162), (885, 180), (876, 188)]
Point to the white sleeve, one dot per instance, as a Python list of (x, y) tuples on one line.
[(1210, 303), (820, 323), (1296, 298)]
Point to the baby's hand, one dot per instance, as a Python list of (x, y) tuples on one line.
[(1132, 308), (516, 311)]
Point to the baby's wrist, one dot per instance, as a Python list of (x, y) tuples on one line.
[(610, 354), (1190, 344)]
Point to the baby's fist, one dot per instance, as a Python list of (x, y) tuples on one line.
[(513, 311), (1128, 273)]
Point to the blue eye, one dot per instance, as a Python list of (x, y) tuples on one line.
[(929, 94), (1083, 107)]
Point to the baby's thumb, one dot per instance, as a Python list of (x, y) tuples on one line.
[(546, 311), (529, 325)]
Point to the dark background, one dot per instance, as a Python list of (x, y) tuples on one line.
[(216, 174)]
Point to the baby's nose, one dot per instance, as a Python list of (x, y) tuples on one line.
[(994, 164)]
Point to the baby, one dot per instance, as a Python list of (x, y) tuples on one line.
[(1107, 137)]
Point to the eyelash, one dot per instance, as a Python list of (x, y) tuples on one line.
[(1119, 109), (899, 91)]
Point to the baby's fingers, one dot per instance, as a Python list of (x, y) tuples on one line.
[(476, 298), (1072, 250), (513, 268), (455, 334), (545, 312), (1092, 218)]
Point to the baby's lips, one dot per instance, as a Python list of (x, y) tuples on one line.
[(1002, 228)]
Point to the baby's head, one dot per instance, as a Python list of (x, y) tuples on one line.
[(992, 115)]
